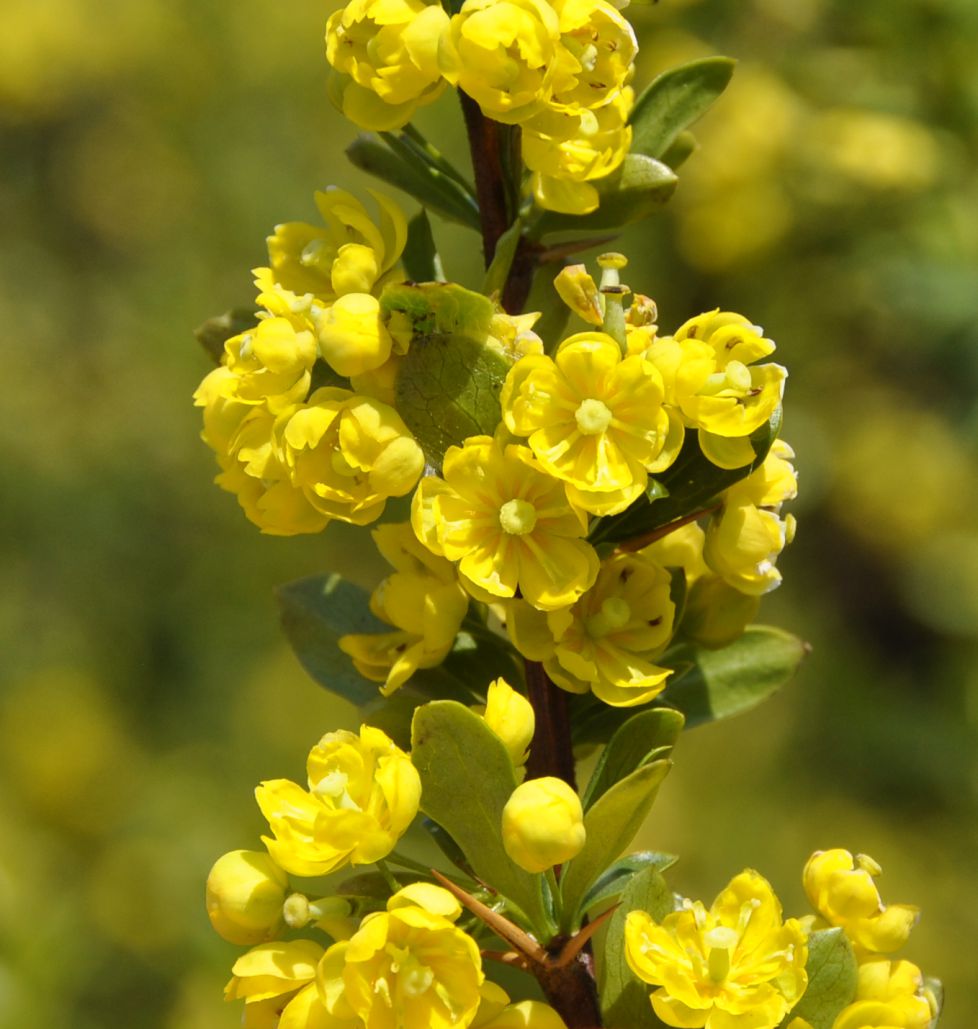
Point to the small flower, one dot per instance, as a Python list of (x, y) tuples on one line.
[(363, 794), (408, 967), (270, 364), (510, 716), (593, 418), (508, 524), (421, 599), (597, 48), (352, 337), (245, 894), (273, 970), (502, 53), (580, 293), (386, 52), (736, 966), (543, 824), (842, 889), (496, 1012), (744, 539)]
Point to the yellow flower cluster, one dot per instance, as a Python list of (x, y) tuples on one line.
[(559, 69), (297, 456)]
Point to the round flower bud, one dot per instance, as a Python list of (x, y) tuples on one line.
[(245, 894), (543, 824)]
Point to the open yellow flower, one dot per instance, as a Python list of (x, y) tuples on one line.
[(593, 418), (502, 54), (350, 253), (270, 364), (388, 49), (363, 794), (597, 48), (422, 599), (608, 641), (348, 454), (734, 966), (507, 523), (842, 889), (496, 1012), (408, 967), (273, 970)]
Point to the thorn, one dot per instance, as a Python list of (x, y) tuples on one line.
[(579, 940)]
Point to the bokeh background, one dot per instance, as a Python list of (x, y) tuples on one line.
[(146, 149)]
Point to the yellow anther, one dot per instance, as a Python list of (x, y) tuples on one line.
[(593, 417)]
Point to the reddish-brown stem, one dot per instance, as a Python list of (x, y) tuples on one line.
[(550, 752), (490, 185)]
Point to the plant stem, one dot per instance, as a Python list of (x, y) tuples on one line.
[(550, 751)]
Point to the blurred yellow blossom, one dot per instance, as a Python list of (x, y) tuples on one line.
[(363, 794), (737, 965), (245, 894), (272, 970), (422, 599), (387, 50), (543, 824), (842, 889), (507, 523), (408, 967)]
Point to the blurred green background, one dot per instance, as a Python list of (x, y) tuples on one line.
[(148, 147)]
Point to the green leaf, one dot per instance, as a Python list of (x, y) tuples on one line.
[(832, 976), (216, 331), (674, 100), (447, 846), (682, 148), (611, 824), (624, 997), (644, 734), (721, 683), (692, 482), (466, 779), (639, 187), (315, 612), (420, 257), (449, 382), (617, 877), (502, 261), (406, 170)]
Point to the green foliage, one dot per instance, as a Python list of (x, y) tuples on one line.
[(401, 166), (643, 738), (832, 975), (616, 877), (502, 261), (420, 257), (624, 997), (674, 100), (449, 382), (720, 683), (611, 824), (466, 779)]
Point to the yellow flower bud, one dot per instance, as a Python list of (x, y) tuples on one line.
[(352, 338), (842, 890), (245, 894), (273, 970), (543, 824), (580, 293), (510, 716)]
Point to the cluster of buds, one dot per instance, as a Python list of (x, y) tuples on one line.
[(559, 70)]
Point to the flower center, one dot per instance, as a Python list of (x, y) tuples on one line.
[(734, 379), (615, 614), (592, 417), (517, 517), (721, 941)]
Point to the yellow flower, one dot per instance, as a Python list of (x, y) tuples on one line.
[(352, 337), (510, 716), (421, 599), (349, 254), (245, 894), (745, 538), (496, 1012), (348, 454), (273, 970), (842, 890), (889, 994), (593, 418), (597, 49), (512, 335), (566, 150), (502, 53), (736, 966), (608, 640), (389, 51), (363, 794), (270, 364), (543, 824), (407, 967), (580, 293), (508, 524)]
